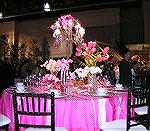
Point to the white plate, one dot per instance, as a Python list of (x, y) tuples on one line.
[(21, 91), (123, 89), (119, 88), (104, 94), (61, 95)]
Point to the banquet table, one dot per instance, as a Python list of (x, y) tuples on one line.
[(77, 111)]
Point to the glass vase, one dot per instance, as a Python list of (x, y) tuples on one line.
[(92, 80), (64, 79)]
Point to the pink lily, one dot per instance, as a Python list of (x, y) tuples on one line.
[(99, 58), (105, 50)]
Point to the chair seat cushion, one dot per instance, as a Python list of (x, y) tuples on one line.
[(4, 120), (121, 125), (141, 110), (46, 129)]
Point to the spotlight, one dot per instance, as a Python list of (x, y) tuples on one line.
[(1, 15), (46, 7)]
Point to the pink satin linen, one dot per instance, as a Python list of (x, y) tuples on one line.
[(75, 112)]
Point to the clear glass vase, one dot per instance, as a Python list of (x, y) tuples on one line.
[(92, 80)]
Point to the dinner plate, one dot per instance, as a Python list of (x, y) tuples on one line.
[(62, 95), (21, 91), (102, 94), (120, 89)]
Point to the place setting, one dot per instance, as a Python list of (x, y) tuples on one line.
[(100, 92), (57, 93)]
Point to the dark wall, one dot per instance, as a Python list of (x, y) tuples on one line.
[(131, 25)]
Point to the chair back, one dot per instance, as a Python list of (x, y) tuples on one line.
[(30, 104), (137, 97)]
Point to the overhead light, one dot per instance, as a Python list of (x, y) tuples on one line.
[(46, 7), (1, 15)]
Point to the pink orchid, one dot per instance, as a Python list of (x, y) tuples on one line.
[(69, 17), (93, 50), (87, 49), (45, 78), (70, 61), (53, 27), (60, 20), (84, 46), (91, 44), (105, 50), (77, 54), (79, 51)]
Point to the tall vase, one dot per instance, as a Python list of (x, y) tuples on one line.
[(64, 79), (92, 80)]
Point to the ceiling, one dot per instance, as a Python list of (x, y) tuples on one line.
[(18, 7)]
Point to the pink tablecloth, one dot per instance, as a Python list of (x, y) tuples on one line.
[(77, 112)]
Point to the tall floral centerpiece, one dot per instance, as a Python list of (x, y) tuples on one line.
[(52, 66), (67, 29), (91, 56)]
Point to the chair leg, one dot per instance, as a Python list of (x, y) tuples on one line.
[(4, 128)]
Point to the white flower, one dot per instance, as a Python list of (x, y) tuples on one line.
[(56, 80), (79, 72), (51, 65), (57, 32), (81, 31), (57, 24), (72, 75), (70, 23), (77, 26), (86, 69), (95, 70)]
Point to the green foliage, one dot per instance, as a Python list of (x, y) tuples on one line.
[(17, 54), (45, 49)]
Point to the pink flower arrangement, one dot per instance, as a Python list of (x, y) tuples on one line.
[(49, 78), (64, 64), (51, 66), (90, 54), (67, 29), (54, 66)]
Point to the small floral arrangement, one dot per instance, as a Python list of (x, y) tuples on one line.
[(90, 54), (68, 29), (51, 66), (50, 79), (64, 64), (82, 73)]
